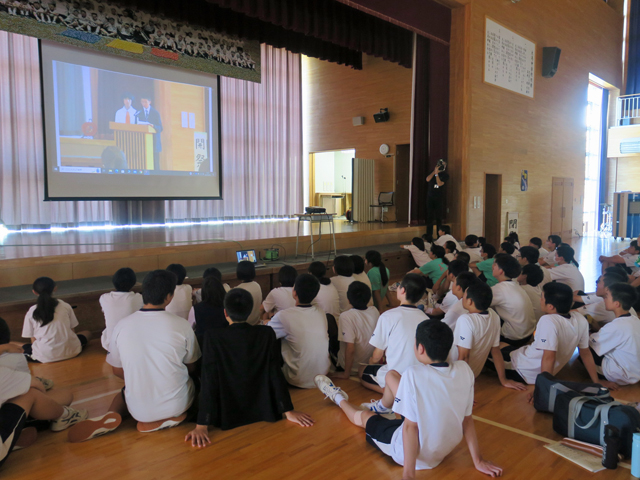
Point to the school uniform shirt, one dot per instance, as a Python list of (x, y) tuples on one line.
[(513, 306), (376, 281), (569, 275), (550, 258), (278, 299), (475, 254), (546, 272), (56, 340), (444, 239), (630, 260), (15, 361), (619, 343), (486, 268), (357, 326), (543, 252), (434, 269), (328, 300), (478, 332), (395, 333), (341, 284), (454, 313), (154, 347), (364, 278), (116, 306), (256, 292), (437, 398), (14, 383), (534, 294), (182, 301), (554, 332), (448, 301), (305, 344), (419, 256)]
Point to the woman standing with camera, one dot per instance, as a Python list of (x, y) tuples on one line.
[(436, 196)]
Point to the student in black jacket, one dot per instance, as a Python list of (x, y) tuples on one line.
[(242, 381)]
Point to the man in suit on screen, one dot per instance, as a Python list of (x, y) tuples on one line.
[(150, 116)]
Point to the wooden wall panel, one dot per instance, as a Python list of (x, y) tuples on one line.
[(628, 174)]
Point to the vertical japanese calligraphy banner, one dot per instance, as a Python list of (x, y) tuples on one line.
[(509, 59)]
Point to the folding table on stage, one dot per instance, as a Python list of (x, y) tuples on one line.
[(318, 218)]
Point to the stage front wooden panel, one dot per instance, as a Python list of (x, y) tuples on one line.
[(136, 141)]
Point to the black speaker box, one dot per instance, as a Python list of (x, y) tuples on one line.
[(381, 117), (550, 60)]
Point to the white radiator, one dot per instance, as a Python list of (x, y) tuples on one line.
[(363, 190)]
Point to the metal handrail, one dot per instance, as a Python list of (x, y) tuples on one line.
[(627, 107)]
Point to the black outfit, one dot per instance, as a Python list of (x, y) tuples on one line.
[(435, 202), (12, 421), (208, 317), (242, 381), (153, 117)]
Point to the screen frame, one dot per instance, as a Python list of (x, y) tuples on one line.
[(48, 198)]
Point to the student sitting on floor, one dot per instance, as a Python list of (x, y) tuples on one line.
[(628, 258), (553, 242), (530, 280), (557, 335), (530, 256), (450, 250), (418, 251), (327, 298), (242, 381), (303, 329), (536, 242), (508, 248), (153, 351), (465, 257), (50, 325), (566, 270), (119, 304), (444, 235), (435, 400), (484, 269), (511, 302), (477, 333), (214, 272), (209, 313), (343, 270), (359, 275), (454, 269), (472, 247), (246, 273), (435, 268), (394, 335), (280, 298), (459, 285), (379, 276), (594, 303), (183, 296), (616, 347), (23, 396), (355, 329)]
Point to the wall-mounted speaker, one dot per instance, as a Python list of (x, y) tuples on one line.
[(550, 60), (383, 116)]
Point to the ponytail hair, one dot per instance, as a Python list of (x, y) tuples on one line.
[(439, 252), (567, 253), (319, 270), (451, 246), (46, 307), (375, 259)]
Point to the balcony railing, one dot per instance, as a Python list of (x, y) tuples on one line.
[(628, 108)]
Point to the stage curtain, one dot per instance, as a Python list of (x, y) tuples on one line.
[(261, 146), (22, 149), (633, 58)]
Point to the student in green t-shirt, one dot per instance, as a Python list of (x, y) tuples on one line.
[(485, 267), (433, 269), (379, 277)]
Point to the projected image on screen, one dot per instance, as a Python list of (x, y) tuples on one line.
[(116, 128)]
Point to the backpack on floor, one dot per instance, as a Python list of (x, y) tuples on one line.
[(549, 387), (584, 418)]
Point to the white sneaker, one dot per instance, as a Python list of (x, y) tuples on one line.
[(70, 417), (376, 406), (326, 386)]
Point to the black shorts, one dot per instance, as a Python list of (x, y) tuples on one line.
[(369, 374), (511, 374), (516, 343), (380, 430), (12, 421)]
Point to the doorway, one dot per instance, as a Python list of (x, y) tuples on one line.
[(330, 180), (401, 171), (562, 207), (492, 208)]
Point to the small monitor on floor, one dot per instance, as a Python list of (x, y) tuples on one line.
[(247, 255)]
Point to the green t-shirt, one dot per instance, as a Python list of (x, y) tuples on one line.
[(376, 281), (434, 269), (486, 267)]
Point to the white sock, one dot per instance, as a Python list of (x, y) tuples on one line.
[(339, 398)]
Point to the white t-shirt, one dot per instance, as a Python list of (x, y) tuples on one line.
[(328, 300), (543, 252), (478, 333), (342, 285), (357, 326), (475, 253), (453, 314), (630, 260), (14, 383), (569, 275), (550, 258), (594, 306), (546, 272), (279, 298), (513, 306), (305, 344), (554, 332), (619, 342), (116, 306), (444, 239), (15, 361), (182, 301), (450, 256), (396, 334), (534, 294), (256, 292), (448, 301), (437, 399), (55, 341), (364, 278), (154, 347), (419, 256)]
